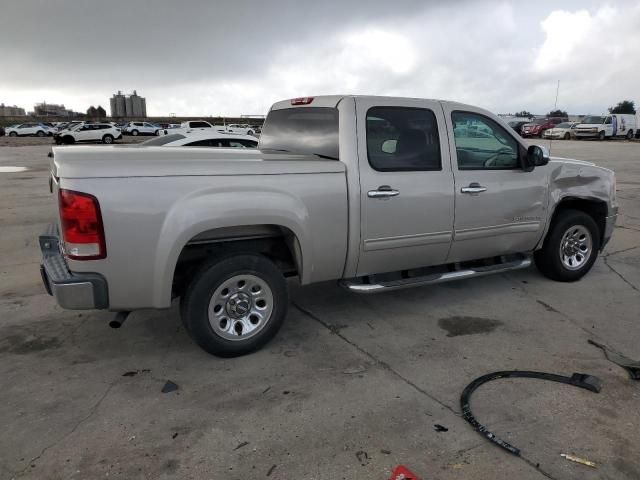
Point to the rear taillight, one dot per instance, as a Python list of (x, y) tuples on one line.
[(82, 229), (302, 101)]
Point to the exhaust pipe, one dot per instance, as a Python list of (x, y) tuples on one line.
[(119, 319)]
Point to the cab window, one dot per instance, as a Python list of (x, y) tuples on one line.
[(482, 144), (402, 139)]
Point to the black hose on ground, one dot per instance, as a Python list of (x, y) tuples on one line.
[(580, 380)]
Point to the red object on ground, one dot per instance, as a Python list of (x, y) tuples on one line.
[(403, 473)]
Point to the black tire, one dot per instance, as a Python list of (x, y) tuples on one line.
[(194, 304), (629, 134), (68, 140), (548, 258), (157, 133), (107, 139), (567, 136), (134, 133), (601, 136), (40, 133), (13, 134)]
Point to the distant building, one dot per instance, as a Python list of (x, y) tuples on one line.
[(7, 111), (45, 109), (128, 106)]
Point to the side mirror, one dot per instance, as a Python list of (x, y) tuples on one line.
[(537, 156)]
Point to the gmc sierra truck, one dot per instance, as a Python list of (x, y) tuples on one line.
[(379, 193)]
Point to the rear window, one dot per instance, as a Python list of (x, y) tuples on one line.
[(307, 130), (164, 139)]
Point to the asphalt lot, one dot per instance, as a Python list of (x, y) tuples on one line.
[(351, 387)]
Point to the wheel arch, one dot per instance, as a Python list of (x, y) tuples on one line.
[(594, 207), (268, 221)]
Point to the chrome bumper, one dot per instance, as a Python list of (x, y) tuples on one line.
[(85, 291)]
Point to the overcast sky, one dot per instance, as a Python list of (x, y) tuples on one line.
[(208, 57)]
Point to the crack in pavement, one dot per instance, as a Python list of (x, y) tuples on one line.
[(92, 411), (387, 367), (606, 262), (377, 361), (609, 254)]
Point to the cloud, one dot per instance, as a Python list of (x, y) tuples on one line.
[(207, 58)]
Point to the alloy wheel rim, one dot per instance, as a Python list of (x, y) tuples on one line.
[(240, 307), (576, 247)]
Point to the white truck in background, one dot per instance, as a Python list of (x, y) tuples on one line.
[(607, 126)]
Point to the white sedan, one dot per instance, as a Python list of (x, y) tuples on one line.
[(561, 131), (204, 139), (25, 129)]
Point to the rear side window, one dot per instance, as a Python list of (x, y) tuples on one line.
[(305, 130), (402, 139)]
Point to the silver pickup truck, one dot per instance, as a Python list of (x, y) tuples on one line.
[(378, 193)]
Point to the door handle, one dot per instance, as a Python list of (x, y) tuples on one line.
[(383, 191), (473, 187)]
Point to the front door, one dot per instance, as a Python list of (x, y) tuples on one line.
[(500, 207), (406, 185)]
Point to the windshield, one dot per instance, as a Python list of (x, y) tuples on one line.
[(164, 139), (597, 120), (306, 130)]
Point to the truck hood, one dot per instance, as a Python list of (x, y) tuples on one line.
[(588, 125), (118, 161)]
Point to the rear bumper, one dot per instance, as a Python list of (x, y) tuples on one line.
[(74, 291)]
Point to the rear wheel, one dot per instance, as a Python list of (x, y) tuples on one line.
[(156, 133), (570, 248), (629, 134), (235, 305), (108, 139), (134, 133)]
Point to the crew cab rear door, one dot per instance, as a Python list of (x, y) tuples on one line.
[(407, 196), (500, 207)]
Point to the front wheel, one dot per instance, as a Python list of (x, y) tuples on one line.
[(40, 133), (13, 134), (235, 305), (601, 136), (570, 248), (567, 136), (134, 133), (108, 139)]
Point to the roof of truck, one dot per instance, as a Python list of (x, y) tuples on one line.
[(333, 100)]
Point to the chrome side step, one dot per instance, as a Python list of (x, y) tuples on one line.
[(357, 285)]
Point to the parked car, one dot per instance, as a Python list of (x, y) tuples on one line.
[(537, 127), (518, 124), (607, 126), (30, 129), (142, 128), (204, 139), (240, 129), (88, 132), (379, 193), (564, 130)]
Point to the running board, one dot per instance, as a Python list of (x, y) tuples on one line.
[(358, 286)]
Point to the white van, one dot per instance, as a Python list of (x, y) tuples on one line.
[(604, 126)]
